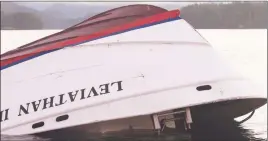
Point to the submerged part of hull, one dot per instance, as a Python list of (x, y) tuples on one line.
[(152, 65), (217, 112), (229, 109)]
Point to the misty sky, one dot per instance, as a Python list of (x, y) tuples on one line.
[(167, 5)]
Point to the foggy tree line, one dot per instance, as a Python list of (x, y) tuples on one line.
[(202, 16), (228, 16)]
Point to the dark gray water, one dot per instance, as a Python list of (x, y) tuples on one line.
[(254, 129)]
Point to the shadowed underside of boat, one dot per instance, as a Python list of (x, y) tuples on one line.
[(202, 115)]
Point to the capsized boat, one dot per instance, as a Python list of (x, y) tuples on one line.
[(133, 68)]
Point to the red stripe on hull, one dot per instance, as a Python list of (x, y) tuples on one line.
[(61, 44)]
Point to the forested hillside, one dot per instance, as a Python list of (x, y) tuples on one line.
[(202, 16)]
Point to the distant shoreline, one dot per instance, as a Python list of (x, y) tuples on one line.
[(195, 28), (233, 15)]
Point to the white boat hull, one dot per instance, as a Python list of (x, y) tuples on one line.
[(137, 73)]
